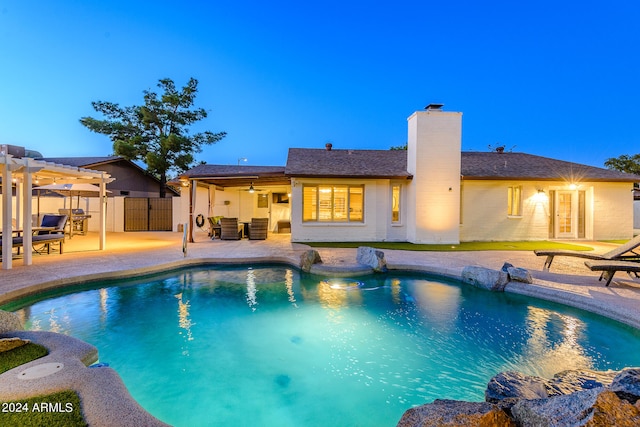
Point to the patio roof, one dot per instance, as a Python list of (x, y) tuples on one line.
[(237, 176), (24, 172)]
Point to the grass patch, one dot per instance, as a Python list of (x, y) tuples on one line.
[(60, 409), (465, 246), (21, 355)]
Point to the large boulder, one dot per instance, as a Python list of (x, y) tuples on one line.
[(626, 384), (486, 278), (570, 381), (308, 258), (596, 407), (452, 413), (373, 258), (10, 322), (518, 274), (511, 384)]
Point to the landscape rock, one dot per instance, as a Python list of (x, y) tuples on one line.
[(568, 410), (7, 344), (452, 413), (596, 407), (481, 277), (373, 258), (518, 274), (10, 322), (626, 384), (516, 385), (308, 258), (570, 381), (580, 397)]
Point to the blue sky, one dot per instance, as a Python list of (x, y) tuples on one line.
[(558, 79)]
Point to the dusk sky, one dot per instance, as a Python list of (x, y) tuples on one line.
[(553, 78)]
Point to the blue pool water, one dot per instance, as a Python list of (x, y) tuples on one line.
[(269, 346)]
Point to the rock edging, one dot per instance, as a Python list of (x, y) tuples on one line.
[(570, 398)]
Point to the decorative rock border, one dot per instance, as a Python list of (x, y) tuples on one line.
[(571, 398)]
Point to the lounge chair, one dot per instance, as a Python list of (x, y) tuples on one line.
[(55, 234), (229, 229), (258, 228), (624, 252), (611, 267)]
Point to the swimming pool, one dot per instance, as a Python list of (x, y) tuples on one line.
[(269, 346)]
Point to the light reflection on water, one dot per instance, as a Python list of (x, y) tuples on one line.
[(269, 346)]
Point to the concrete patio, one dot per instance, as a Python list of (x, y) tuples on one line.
[(132, 254)]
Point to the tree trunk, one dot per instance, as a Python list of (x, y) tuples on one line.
[(163, 185)]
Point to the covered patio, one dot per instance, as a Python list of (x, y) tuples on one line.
[(242, 192), (17, 207)]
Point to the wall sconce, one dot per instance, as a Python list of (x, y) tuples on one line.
[(573, 186), (540, 191), (251, 190)]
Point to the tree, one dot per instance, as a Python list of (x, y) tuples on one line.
[(624, 163), (156, 133)]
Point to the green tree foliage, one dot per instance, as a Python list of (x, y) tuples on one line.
[(399, 147), (157, 133), (624, 163)]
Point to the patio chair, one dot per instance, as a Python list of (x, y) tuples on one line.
[(229, 229), (214, 226), (258, 228), (47, 237), (624, 252), (55, 234)]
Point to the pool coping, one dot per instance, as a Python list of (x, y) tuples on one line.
[(99, 407)]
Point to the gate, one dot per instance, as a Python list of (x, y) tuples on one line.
[(148, 214)]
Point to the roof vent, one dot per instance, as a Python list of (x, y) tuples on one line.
[(328, 146), (432, 107)]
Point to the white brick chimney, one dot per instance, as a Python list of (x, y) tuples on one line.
[(433, 157)]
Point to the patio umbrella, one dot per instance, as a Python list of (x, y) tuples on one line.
[(79, 190)]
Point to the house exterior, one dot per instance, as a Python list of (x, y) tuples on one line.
[(430, 193), (131, 180)]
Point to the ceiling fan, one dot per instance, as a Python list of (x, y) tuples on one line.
[(252, 189)]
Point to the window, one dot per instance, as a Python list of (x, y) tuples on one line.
[(395, 204), (514, 201), (263, 200), (337, 203)]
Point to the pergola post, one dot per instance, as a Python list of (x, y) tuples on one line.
[(7, 212), (103, 213), (27, 204)]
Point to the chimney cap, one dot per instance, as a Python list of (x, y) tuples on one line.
[(328, 146), (434, 107)]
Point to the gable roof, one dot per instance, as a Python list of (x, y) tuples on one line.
[(95, 163), (501, 166), (312, 162), (83, 161)]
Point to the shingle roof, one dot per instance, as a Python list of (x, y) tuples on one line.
[(309, 162), (493, 165), (81, 161), (206, 171)]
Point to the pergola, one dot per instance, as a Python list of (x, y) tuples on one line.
[(23, 172)]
